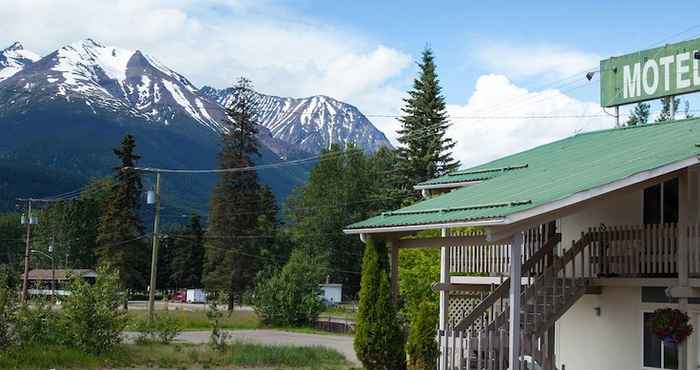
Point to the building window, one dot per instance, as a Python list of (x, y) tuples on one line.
[(657, 353), (661, 203)]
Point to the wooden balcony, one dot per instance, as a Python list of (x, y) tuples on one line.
[(634, 251)]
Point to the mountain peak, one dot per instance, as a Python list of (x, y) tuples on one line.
[(16, 46)]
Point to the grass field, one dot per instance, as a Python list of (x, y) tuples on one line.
[(179, 356), (197, 320)]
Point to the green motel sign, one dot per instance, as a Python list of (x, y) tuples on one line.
[(650, 74)]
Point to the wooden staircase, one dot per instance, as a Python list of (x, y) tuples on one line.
[(480, 339)]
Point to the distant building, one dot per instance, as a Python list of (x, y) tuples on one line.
[(332, 293), (40, 279)]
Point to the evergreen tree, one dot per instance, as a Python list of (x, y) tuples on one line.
[(421, 347), (640, 114), (274, 244), (230, 264), (336, 194), (686, 110), (120, 230), (188, 255), (379, 341), (425, 152), (665, 114), (12, 235)]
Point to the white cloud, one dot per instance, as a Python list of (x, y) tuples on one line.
[(482, 140), (215, 41), (534, 60)]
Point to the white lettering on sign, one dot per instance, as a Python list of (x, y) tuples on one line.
[(666, 63), (644, 78), (681, 70), (632, 81)]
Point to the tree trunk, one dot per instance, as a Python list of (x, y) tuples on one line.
[(230, 302)]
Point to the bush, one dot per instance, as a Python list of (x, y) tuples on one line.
[(162, 329), (218, 337), (379, 341), (8, 309), (422, 348), (291, 296), (39, 324), (93, 317)]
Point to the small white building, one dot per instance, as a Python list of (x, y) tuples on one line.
[(332, 294)]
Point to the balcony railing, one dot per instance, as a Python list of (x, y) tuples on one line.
[(615, 251)]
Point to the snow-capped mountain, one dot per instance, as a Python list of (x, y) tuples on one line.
[(13, 59), (110, 79), (131, 85), (312, 123)]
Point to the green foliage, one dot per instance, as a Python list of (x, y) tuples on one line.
[(230, 263), (119, 229), (162, 329), (379, 341), (39, 324), (418, 270), (665, 114), (218, 337), (290, 297), (425, 152), (11, 242), (8, 308), (91, 313), (187, 255), (421, 346), (640, 114)]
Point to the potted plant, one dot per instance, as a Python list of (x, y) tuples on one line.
[(671, 325)]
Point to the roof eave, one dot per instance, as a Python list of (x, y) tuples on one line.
[(422, 227)]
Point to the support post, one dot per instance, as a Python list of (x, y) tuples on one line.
[(154, 254), (444, 301), (27, 248), (672, 107), (617, 116), (514, 301), (394, 270), (682, 256)]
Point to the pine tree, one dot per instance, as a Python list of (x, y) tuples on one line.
[(425, 152), (120, 229), (230, 264), (379, 341), (665, 114), (188, 255), (422, 349), (640, 114)]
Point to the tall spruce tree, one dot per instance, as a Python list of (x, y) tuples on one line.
[(188, 255), (640, 114), (425, 152), (379, 340), (120, 228), (231, 265)]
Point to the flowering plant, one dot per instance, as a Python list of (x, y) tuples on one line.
[(671, 325)]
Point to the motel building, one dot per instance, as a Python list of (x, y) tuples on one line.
[(558, 257)]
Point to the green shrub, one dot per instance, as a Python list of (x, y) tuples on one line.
[(218, 337), (92, 313), (291, 296), (163, 329), (37, 323), (8, 309), (379, 341), (422, 348)]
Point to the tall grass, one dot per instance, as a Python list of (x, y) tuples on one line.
[(175, 356), (197, 320)]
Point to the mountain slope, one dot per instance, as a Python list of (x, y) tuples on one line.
[(13, 59), (312, 123)]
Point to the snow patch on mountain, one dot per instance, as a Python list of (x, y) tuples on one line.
[(14, 58)]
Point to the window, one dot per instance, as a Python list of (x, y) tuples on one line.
[(657, 353), (661, 203)]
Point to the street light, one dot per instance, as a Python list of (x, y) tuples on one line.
[(53, 268)]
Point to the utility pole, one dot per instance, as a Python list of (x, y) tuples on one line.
[(154, 255), (53, 271), (27, 248)]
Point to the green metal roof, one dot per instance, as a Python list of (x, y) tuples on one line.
[(550, 172)]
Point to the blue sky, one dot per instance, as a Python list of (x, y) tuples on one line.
[(497, 62)]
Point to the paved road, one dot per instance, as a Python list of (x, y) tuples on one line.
[(340, 343)]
